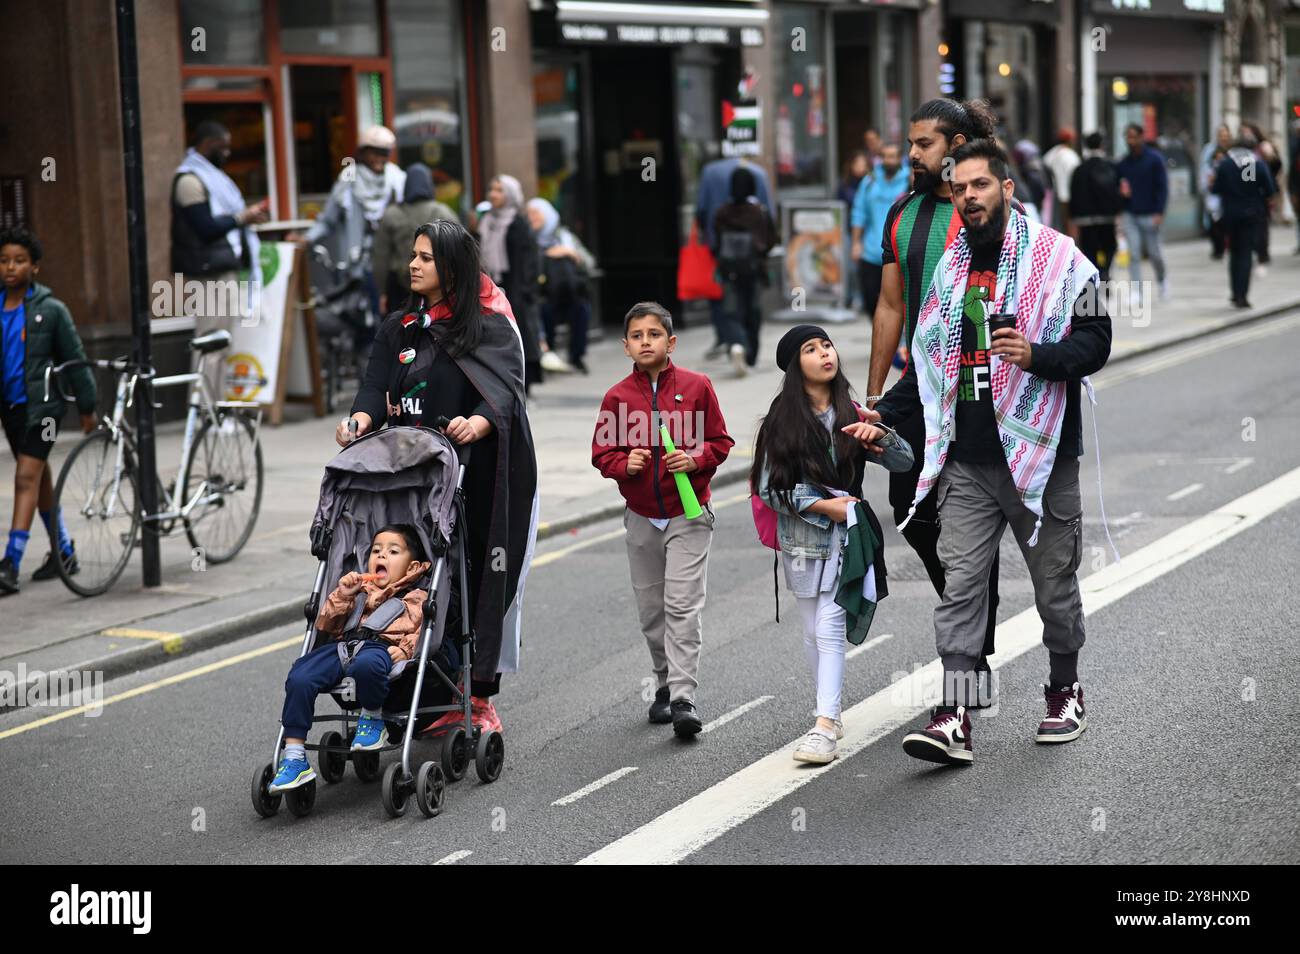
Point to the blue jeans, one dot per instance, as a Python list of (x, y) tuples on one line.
[(321, 670), (1142, 233)]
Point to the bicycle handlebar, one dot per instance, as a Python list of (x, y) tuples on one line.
[(120, 365)]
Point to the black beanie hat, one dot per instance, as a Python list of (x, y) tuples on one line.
[(793, 340)]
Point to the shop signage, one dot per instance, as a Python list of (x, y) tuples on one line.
[(1254, 75), (1194, 9), (740, 128), (660, 34)]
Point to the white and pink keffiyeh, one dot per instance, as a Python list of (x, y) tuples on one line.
[(1041, 274)]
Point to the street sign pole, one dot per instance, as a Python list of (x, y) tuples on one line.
[(137, 255)]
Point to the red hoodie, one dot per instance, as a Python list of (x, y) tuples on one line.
[(629, 418)]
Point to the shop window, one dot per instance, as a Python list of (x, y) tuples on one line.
[(330, 27), (427, 85), (247, 125), (801, 97), (222, 33)]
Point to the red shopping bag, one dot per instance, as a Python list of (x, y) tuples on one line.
[(695, 271)]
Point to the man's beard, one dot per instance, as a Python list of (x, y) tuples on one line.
[(925, 180), (990, 231), (217, 157)]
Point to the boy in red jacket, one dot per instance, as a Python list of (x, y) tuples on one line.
[(667, 553)]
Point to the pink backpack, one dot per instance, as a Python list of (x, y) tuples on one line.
[(764, 521)]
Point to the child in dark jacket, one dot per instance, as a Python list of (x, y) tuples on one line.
[(668, 553), (37, 332), (374, 619)]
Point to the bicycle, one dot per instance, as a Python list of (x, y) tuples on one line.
[(216, 495)]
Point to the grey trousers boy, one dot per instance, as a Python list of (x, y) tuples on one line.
[(668, 569), (976, 503)]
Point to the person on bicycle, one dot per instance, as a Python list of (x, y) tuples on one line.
[(37, 332)]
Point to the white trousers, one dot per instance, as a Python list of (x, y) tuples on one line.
[(824, 645)]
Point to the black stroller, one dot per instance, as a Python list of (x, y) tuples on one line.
[(407, 475)]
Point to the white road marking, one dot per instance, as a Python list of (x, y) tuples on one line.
[(736, 713), (869, 644), (454, 857), (707, 816), (595, 786), (1241, 464), (1185, 492)]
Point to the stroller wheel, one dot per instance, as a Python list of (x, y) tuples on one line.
[(264, 803), (365, 764), (395, 791), (301, 800), (455, 753), (430, 789), (332, 764), (489, 756)]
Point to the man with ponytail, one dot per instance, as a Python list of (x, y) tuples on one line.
[(919, 227), (1011, 325)]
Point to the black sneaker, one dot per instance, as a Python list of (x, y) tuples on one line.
[(8, 577), (661, 712), (686, 721), (48, 570)]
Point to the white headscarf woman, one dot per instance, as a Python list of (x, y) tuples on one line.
[(507, 198)]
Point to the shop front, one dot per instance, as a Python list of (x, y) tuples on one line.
[(1005, 51), (295, 81), (875, 72), (1171, 89), (631, 100)]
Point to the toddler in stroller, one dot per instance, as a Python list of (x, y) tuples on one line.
[(375, 617), (390, 505)]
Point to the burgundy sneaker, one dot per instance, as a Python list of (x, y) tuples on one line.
[(1066, 718), (945, 740)]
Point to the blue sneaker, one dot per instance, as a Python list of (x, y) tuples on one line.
[(370, 735), (292, 774)]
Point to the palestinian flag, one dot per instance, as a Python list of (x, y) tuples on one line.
[(744, 116)]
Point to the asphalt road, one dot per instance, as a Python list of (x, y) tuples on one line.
[(1190, 679)]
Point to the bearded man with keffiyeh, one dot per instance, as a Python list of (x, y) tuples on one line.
[(1003, 435)]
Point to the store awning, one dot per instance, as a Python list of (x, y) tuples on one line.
[(660, 24), (610, 11)]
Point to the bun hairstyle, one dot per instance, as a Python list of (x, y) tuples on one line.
[(973, 119)]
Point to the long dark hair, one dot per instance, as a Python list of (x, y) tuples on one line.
[(455, 256), (794, 445)]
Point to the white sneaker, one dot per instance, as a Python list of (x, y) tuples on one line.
[(738, 360), (553, 362), (1135, 300), (839, 728), (1261, 271), (818, 747), (1164, 289)]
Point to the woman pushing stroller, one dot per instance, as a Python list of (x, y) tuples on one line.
[(454, 352)]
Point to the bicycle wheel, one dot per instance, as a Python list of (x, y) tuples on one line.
[(101, 509), (226, 460)]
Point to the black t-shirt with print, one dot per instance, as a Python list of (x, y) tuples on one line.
[(977, 440)]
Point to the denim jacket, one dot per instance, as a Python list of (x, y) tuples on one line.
[(809, 535)]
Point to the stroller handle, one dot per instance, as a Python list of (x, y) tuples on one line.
[(462, 450)]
